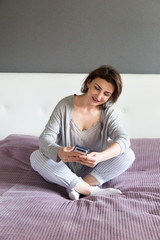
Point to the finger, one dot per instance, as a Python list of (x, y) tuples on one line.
[(71, 159), (86, 158), (69, 149), (69, 155), (84, 162), (88, 162), (74, 154), (92, 154)]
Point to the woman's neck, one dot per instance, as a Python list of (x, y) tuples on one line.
[(80, 101)]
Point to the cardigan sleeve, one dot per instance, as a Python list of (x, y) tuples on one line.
[(115, 130), (48, 140)]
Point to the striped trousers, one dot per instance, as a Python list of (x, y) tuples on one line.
[(66, 175)]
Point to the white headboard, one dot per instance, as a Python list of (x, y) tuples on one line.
[(27, 100)]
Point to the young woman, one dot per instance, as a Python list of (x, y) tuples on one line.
[(88, 120)]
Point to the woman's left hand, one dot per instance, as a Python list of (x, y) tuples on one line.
[(91, 159)]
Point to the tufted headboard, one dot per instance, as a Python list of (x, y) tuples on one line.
[(27, 100)]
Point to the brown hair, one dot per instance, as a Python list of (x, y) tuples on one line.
[(111, 75)]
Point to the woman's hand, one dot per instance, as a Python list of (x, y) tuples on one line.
[(91, 159), (66, 154)]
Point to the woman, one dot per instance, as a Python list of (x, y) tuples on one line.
[(90, 121)]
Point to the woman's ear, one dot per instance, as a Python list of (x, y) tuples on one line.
[(88, 82)]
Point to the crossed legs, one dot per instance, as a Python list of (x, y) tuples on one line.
[(62, 175)]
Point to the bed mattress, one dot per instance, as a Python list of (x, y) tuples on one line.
[(31, 208)]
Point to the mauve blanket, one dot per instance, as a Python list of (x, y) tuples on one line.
[(32, 209)]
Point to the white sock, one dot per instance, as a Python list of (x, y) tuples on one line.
[(96, 191), (73, 195)]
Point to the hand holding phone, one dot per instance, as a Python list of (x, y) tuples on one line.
[(81, 149)]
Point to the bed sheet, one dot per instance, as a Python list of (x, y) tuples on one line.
[(31, 208)]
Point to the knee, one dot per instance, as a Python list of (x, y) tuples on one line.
[(128, 158), (33, 159), (123, 161)]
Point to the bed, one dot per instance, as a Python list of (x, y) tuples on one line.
[(31, 208)]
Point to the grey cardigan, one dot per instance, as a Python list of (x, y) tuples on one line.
[(57, 130)]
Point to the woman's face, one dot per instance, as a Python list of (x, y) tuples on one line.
[(99, 91)]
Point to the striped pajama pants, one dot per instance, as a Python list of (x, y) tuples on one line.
[(64, 174)]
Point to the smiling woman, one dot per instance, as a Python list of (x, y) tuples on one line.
[(88, 120), (86, 111), (101, 90), (108, 73)]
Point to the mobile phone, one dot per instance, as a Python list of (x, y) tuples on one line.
[(81, 149)]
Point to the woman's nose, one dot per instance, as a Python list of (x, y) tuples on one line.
[(99, 96)]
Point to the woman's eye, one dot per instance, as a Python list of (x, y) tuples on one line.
[(97, 88), (107, 94)]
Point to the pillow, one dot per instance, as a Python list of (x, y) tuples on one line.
[(15, 151)]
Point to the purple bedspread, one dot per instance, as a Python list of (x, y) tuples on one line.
[(32, 209)]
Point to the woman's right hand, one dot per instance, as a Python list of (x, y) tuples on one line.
[(66, 154)]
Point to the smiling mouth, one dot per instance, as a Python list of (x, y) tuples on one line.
[(95, 100)]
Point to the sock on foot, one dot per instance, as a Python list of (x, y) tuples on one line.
[(73, 195), (96, 191)]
